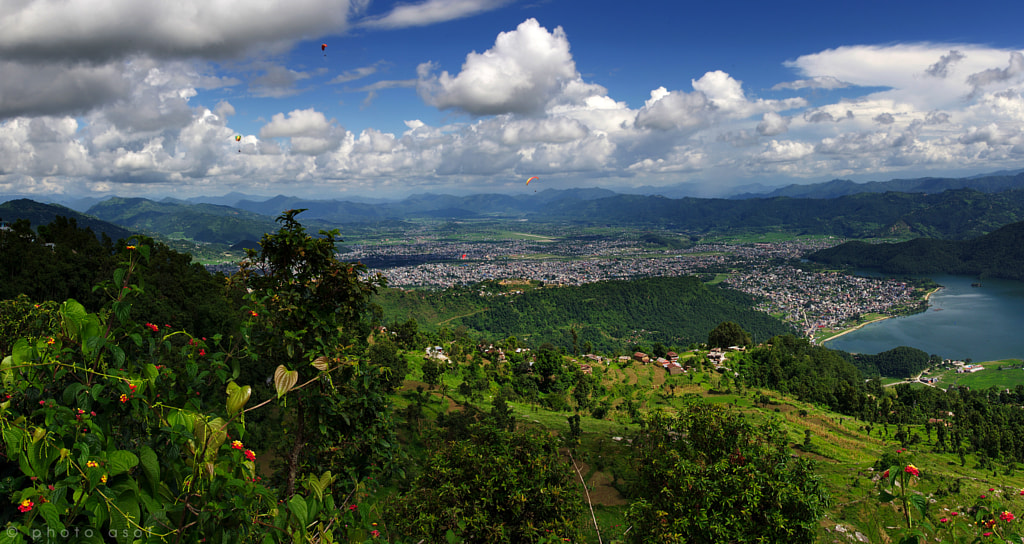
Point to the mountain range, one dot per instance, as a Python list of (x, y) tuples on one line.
[(942, 208)]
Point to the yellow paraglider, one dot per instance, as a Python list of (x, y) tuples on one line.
[(531, 179)]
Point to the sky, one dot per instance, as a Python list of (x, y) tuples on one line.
[(344, 98)]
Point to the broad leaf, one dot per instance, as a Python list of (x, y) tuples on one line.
[(284, 380), (238, 398), (121, 461)]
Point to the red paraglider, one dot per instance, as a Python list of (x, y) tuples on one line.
[(323, 47), (531, 179)]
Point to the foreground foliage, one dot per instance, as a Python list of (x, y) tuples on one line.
[(708, 475)]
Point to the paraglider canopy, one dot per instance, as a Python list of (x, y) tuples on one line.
[(531, 179), (238, 138), (323, 47)]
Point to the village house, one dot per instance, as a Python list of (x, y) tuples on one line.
[(716, 357), (641, 357)]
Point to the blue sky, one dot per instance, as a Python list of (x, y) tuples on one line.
[(145, 98)]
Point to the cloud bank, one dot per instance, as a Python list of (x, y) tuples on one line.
[(111, 106)]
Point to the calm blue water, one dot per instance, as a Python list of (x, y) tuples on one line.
[(984, 323)]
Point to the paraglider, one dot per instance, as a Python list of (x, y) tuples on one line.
[(238, 138), (531, 179), (323, 47)]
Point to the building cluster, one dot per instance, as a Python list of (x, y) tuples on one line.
[(816, 300)]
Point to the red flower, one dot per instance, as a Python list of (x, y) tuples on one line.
[(983, 496), (885, 474), (911, 469), (943, 520), (253, 313), (124, 398), (899, 451), (987, 534), (131, 387), (152, 327), (26, 506), (237, 445), (250, 455), (1006, 516), (42, 403), (202, 352), (375, 533), (352, 507), (954, 513)]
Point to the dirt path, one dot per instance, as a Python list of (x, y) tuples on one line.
[(446, 321)]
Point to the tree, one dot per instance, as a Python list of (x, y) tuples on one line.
[(492, 486), (708, 475), (384, 354), (728, 334), (305, 310), (431, 371)]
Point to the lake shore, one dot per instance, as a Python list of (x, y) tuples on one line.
[(851, 329)]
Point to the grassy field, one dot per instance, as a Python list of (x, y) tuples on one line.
[(1009, 377)]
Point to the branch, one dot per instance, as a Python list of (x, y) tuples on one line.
[(590, 504)]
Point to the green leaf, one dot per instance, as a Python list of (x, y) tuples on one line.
[(919, 502), (885, 496), (22, 352), (214, 433), (118, 354), (297, 506), (119, 277), (284, 380), (121, 310), (150, 467), (150, 371), (7, 370), (72, 315), (238, 398), (124, 517), (49, 513), (121, 461), (71, 392)]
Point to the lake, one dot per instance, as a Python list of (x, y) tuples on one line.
[(983, 323)]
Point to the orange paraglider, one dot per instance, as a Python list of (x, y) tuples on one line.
[(323, 47), (531, 179)]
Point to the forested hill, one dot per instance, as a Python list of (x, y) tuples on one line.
[(607, 316), (998, 255), (37, 213), (955, 214)]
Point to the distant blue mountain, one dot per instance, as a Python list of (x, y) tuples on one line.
[(986, 183)]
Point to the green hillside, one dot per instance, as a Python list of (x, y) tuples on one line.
[(607, 316), (999, 254), (38, 214)]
